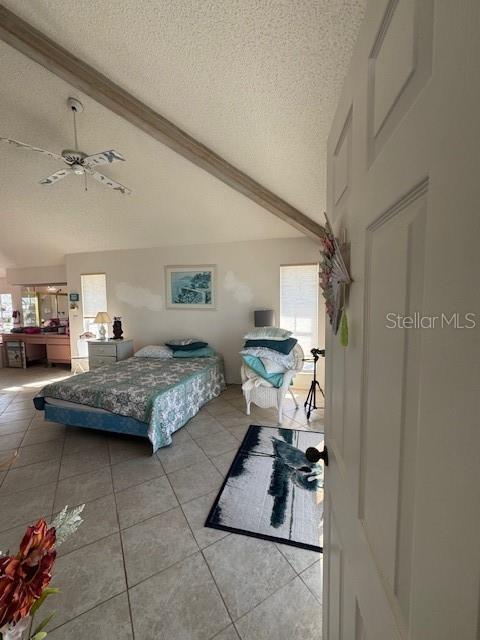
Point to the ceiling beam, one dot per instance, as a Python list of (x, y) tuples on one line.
[(34, 44)]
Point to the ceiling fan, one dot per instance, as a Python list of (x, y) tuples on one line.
[(78, 162)]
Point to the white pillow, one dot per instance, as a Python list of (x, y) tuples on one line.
[(272, 367), (267, 333), (285, 360), (154, 351), (184, 341)]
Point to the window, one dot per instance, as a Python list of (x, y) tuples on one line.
[(299, 305), (6, 312), (30, 307), (94, 298)]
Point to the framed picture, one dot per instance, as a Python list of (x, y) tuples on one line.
[(190, 287)]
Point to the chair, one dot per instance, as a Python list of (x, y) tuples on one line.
[(265, 395)]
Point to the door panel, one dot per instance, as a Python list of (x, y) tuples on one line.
[(335, 580), (337, 406), (393, 281), (402, 495), (359, 626), (399, 65), (344, 620), (342, 163), (393, 60)]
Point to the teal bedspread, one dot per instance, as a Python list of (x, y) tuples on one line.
[(164, 393)]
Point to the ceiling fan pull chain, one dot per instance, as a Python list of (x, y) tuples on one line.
[(75, 128), (86, 187)]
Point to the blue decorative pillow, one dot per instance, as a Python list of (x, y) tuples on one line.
[(187, 347), (283, 346), (255, 364), (204, 352)]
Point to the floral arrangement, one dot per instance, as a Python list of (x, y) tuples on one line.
[(334, 277), (25, 577)]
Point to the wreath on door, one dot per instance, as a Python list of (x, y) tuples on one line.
[(334, 281)]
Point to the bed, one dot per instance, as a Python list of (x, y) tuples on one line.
[(149, 397)]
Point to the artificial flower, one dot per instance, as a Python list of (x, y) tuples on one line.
[(23, 577)]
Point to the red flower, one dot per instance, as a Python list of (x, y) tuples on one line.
[(23, 577)]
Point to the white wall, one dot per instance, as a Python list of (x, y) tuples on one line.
[(36, 275), (248, 275)]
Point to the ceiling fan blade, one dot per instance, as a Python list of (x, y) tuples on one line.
[(104, 157), (116, 186), (22, 145), (55, 177)]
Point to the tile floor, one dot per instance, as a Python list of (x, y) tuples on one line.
[(142, 565)]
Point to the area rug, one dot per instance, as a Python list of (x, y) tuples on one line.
[(272, 491)]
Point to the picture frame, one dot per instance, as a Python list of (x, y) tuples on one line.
[(190, 286)]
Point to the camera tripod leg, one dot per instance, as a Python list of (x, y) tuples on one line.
[(311, 401)]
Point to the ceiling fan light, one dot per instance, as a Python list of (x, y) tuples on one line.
[(78, 169)]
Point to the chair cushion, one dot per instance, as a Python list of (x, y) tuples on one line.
[(287, 361), (273, 367), (283, 346), (255, 364)]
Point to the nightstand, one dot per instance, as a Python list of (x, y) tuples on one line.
[(102, 352)]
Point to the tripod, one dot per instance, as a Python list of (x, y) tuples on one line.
[(311, 401)]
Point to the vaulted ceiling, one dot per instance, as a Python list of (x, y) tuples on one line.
[(257, 82)]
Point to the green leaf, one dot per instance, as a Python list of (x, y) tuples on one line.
[(38, 603), (43, 624), (39, 636)]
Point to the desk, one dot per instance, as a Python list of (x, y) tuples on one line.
[(53, 347)]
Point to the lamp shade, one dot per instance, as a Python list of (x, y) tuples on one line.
[(264, 318), (102, 317)]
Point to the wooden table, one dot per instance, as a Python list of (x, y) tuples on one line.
[(53, 347)]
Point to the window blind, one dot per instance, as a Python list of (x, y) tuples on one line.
[(299, 303), (94, 297)]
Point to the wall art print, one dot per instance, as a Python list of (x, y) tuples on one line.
[(190, 287)]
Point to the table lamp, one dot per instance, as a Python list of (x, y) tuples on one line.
[(102, 318)]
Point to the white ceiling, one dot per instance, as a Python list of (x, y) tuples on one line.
[(257, 81)]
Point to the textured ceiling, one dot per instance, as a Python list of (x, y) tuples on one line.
[(257, 81)]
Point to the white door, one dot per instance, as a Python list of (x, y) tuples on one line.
[(402, 554)]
